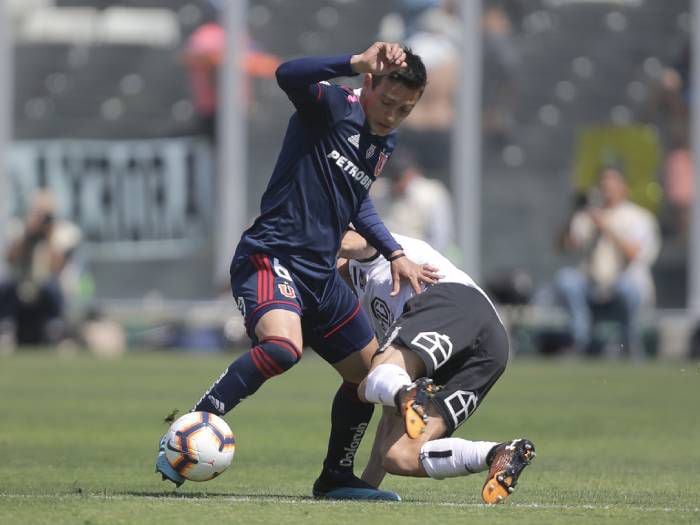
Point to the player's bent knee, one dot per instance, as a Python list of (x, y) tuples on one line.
[(280, 323), (276, 355)]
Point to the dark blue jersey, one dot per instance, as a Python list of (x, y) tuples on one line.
[(320, 184)]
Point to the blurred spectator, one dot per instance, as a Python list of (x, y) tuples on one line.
[(678, 166), (431, 28), (501, 61), (204, 54), (38, 252), (413, 205), (679, 188), (619, 241)]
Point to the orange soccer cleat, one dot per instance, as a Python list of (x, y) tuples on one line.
[(506, 462)]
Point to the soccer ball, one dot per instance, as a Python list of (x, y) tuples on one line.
[(199, 446)]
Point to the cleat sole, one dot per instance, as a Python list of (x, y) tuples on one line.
[(506, 465), (414, 422), (496, 491), (414, 406)]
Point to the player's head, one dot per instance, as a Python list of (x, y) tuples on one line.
[(613, 186), (389, 99)]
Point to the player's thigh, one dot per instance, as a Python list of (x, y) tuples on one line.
[(267, 297), (338, 327), (280, 323), (355, 367)]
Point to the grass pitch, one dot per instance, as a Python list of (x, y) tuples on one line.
[(616, 443)]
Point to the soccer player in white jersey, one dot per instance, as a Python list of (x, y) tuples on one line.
[(442, 352)]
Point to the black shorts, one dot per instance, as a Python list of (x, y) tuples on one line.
[(457, 333)]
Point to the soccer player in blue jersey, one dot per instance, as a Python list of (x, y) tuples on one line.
[(283, 273)]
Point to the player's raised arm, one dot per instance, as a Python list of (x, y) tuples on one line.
[(301, 81), (371, 227), (301, 78)]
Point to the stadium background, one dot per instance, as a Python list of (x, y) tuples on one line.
[(96, 104), (99, 108)]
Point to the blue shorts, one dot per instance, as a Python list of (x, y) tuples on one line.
[(333, 323)]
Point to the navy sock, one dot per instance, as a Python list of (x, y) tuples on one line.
[(349, 420), (246, 374)]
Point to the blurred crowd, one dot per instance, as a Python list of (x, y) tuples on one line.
[(606, 246)]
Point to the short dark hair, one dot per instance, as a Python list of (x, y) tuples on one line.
[(412, 76)]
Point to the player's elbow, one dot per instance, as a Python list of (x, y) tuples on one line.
[(282, 74)]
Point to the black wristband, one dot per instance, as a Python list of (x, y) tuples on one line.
[(397, 256)]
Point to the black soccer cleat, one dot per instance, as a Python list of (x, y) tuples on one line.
[(412, 403), (506, 461)]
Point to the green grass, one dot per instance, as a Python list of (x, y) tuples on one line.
[(616, 443)]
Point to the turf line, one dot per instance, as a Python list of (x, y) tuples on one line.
[(311, 501)]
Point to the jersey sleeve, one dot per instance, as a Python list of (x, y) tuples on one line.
[(303, 82), (370, 226)]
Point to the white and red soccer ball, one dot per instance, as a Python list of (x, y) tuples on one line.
[(200, 446)]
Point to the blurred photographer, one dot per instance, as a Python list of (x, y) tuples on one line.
[(618, 242), (39, 248)]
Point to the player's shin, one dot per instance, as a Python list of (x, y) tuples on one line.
[(349, 420), (273, 356), (451, 457)]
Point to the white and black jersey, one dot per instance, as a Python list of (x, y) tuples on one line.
[(371, 280), (452, 326)]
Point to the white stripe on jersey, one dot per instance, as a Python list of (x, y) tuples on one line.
[(372, 282)]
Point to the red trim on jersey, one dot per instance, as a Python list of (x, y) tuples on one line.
[(320, 92), (256, 263), (270, 277), (265, 290), (344, 322)]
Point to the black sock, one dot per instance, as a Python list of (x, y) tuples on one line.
[(349, 420)]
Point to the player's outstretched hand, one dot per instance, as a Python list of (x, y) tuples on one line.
[(415, 274), (381, 58)]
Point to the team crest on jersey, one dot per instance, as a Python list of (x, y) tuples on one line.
[(382, 312), (286, 290), (370, 151), (383, 157)]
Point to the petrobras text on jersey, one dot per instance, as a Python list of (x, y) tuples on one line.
[(349, 167)]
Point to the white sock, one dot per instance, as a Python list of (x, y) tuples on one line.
[(383, 382), (450, 457)]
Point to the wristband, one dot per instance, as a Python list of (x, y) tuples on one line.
[(397, 256)]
